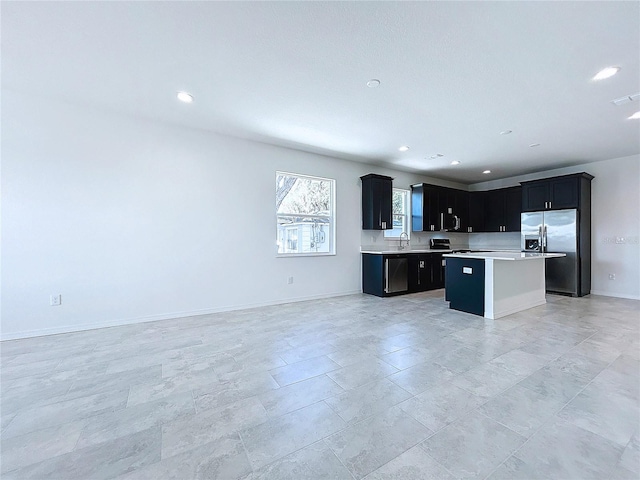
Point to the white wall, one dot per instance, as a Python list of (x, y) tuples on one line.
[(131, 220), (615, 204)]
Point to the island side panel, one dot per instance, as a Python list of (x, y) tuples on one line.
[(512, 286)]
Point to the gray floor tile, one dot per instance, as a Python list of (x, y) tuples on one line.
[(554, 382), (630, 459), (102, 461), (360, 373), (34, 447), (303, 370), (515, 469), (607, 413), (223, 458), (473, 446), (280, 436), (437, 407), (121, 423), (486, 380), (183, 434), (367, 445), (148, 392), (232, 391), (315, 462), (113, 381), (371, 398), (421, 377), (67, 411), (522, 410), (519, 362), (299, 395), (560, 450), (414, 464)]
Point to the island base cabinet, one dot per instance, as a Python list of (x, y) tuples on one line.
[(464, 285)]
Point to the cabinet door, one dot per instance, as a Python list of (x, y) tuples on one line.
[(476, 211), (513, 208), (386, 200), (435, 197), (437, 271), (419, 273), (418, 222), (377, 192), (535, 196), (462, 209), (564, 193), (494, 211)]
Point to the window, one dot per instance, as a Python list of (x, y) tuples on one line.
[(305, 214), (400, 214)]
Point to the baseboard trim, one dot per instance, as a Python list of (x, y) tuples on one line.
[(615, 295), (164, 316)]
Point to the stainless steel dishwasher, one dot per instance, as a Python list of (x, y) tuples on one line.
[(396, 275)]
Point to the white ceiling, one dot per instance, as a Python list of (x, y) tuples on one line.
[(453, 75)]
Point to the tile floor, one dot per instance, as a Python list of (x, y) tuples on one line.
[(342, 388)]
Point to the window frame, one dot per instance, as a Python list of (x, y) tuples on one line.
[(331, 236), (391, 233)]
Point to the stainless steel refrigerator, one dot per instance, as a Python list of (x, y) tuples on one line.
[(560, 231)]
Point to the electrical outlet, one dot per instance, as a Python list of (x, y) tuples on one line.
[(290, 280), (612, 276), (55, 300)]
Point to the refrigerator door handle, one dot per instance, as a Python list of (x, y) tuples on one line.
[(544, 239), (540, 239)]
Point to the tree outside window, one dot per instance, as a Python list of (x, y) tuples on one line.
[(305, 214), (400, 214)]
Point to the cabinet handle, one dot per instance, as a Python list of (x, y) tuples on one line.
[(549, 204), (384, 225)]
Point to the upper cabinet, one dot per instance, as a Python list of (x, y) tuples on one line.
[(425, 208), (567, 191), (502, 210), (476, 211), (435, 208), (377, 193)]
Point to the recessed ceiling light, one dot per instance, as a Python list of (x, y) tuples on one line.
[(534, 145), (486, 171), (606, 73), (373, 83), (635, 116), (455, 162), (185, 97), (505, 132), (403, 148)]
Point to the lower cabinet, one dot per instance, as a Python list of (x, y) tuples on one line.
[(397, 274), (465, 285)]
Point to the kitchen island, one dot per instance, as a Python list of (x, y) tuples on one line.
[(496, 284)]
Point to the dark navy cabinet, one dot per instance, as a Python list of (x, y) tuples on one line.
[(377, 194), (502, 210), (465, 284), (556, 193)]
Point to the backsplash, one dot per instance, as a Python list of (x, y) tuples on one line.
[(494, 241), (474, 241)]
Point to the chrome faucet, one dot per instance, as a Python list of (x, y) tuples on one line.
[(406, 235)]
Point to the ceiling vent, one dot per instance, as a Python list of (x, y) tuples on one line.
[(626, 99)]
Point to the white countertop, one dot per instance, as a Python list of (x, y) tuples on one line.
[(506, 255), (393, 250), (390, 251)]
